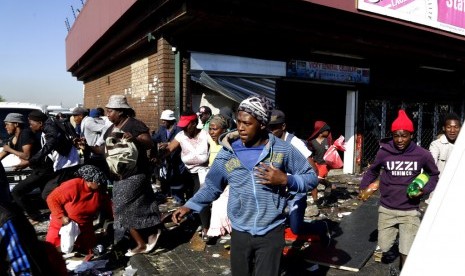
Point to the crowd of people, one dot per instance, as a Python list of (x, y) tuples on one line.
[(242, 174)]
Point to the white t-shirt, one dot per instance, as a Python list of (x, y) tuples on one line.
[(194, 151), (60, 161), (299, 145)]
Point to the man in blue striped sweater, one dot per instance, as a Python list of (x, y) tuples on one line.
[(258, 168)]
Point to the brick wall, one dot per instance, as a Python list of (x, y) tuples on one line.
[(148, 84)]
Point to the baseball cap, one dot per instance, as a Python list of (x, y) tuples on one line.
[(277, 117), (204, 109)]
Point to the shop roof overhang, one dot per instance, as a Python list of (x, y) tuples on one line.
[(237, 87), (277, 30)]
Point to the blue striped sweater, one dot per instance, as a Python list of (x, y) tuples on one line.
[(252, 207)]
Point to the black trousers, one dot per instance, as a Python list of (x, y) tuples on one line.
[(36, 179), (59, 177), (257, 255)]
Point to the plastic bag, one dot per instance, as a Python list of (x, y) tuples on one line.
[(332, 157), (162, 171), (340, 144), (202, 173), (68, 235)]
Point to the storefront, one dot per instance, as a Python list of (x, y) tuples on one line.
[(371, 62)]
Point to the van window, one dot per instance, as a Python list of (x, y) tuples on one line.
[(3, 113)]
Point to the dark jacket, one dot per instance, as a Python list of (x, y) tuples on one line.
[(174, 162), (5, 195), (54, 140), (399, 170)]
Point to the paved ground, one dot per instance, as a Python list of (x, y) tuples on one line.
[(177, 255), (181, 251)]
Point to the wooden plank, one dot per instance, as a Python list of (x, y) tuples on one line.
[(196, 243), (354, 242)]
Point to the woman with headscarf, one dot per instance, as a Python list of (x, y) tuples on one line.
[(79, 200), (219, 221), (135, 207), (318, 143)]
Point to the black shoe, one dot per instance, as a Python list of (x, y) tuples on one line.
[(211, 240), (208, 239)]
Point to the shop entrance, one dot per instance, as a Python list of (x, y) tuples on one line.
[(304, 103)]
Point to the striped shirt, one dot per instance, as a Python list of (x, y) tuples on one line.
[(253, 207), (15, 253)]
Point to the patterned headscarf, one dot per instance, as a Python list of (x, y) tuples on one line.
[(91, 173), (259, 107)]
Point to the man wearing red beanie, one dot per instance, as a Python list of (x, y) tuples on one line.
[(401, 160)]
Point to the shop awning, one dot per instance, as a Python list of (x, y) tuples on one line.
[(237, 87)]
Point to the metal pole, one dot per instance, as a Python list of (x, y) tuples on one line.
[(177, 84)]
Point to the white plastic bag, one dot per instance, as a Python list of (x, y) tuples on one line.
[(202, 173), (68, 235)]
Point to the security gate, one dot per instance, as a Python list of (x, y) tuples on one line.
[(378, 116)]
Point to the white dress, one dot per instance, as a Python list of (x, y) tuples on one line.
[(219, 222)]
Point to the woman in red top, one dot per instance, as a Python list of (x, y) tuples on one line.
[(79, 200)]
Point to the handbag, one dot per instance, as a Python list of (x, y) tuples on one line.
[(121, 154)]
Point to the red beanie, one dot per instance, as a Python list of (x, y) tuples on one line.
[(402, 122)]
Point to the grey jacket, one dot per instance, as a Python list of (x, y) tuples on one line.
[(441, 150)]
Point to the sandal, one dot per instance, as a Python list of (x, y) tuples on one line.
[(130, 253), (151, 246)]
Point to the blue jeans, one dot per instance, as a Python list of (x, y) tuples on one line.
[(297, 205)]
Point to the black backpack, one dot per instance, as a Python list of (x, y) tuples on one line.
[(66, 136)]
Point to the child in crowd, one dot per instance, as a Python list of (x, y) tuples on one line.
[(219, 222)]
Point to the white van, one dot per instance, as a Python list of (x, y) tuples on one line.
[(11, 160)]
